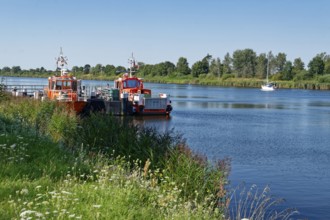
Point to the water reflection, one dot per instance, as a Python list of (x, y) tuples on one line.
[(319, 104), (226, 105)]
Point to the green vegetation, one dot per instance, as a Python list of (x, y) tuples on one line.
[(244, 68), (56, 165)]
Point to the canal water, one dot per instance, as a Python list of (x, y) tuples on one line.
[(279, 138)]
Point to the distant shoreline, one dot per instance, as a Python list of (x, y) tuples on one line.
[(230, 82)]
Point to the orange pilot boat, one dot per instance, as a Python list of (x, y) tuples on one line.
[(139, 99), (65, 88)]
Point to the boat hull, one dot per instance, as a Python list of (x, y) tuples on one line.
[(77, 106), (267, 88)]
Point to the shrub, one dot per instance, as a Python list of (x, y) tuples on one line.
[(324, 78), (227, 76)]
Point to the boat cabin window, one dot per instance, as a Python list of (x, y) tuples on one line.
[(63, 84), (58, 85), (131, 83), (66, 84)]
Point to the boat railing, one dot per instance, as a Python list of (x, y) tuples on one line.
[(84, 92), (24, 90)]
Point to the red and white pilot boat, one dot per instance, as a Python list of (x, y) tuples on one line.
[(140, 99), (65, 88)]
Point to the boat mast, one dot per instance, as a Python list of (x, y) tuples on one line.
[(132, 65), (61, 63), (268, 57)]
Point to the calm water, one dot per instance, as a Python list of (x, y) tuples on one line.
[(280, 138)]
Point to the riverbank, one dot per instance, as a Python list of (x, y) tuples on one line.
[(56, 165), (241, 82), (207, 81)]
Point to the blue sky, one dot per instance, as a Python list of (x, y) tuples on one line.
[(107, 31)]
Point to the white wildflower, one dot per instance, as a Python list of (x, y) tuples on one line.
[(96, 206), (24, 191), (27, 213), (12, 146), (65, 192)]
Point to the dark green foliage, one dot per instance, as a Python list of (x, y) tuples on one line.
[(216, 68), (187, 168), (316, 65), (324, 78), (119, 136), (198, 68), (261, 67), (287, 71), (182, 66), (244, 63), (3, 94), (87, 69)]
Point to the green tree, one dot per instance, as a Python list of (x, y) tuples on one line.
[(198, 68), (75, 69), (316, 65), (298, 64), (201, 67), (327, 65), (163, 69), (227, 64), (6, 69), (261, 66), (110, 70), (280, 61), (120, 69), (16, 69), (272, 63), (287, 71), (97, 69), (216, 67), (87, 69), (182, 66), (244, 63), (206, 63), (145, 70)]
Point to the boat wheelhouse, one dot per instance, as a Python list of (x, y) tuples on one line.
[(65, 88)]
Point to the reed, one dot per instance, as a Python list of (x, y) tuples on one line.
[(253, 203)]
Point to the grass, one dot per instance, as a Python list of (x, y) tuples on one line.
[(253, 203), (39, 180), (56, 165)]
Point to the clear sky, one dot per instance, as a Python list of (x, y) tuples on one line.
[(108, 31)]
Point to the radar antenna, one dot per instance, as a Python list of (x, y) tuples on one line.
[(62, 63), (133, 65)]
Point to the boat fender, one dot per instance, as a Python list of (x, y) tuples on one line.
[(169, 108)]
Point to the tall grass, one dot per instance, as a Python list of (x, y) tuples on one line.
[(56, 165), (253, 203), (39, 180), (61, 166)]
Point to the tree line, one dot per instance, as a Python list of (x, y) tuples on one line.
[(241, 64)]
